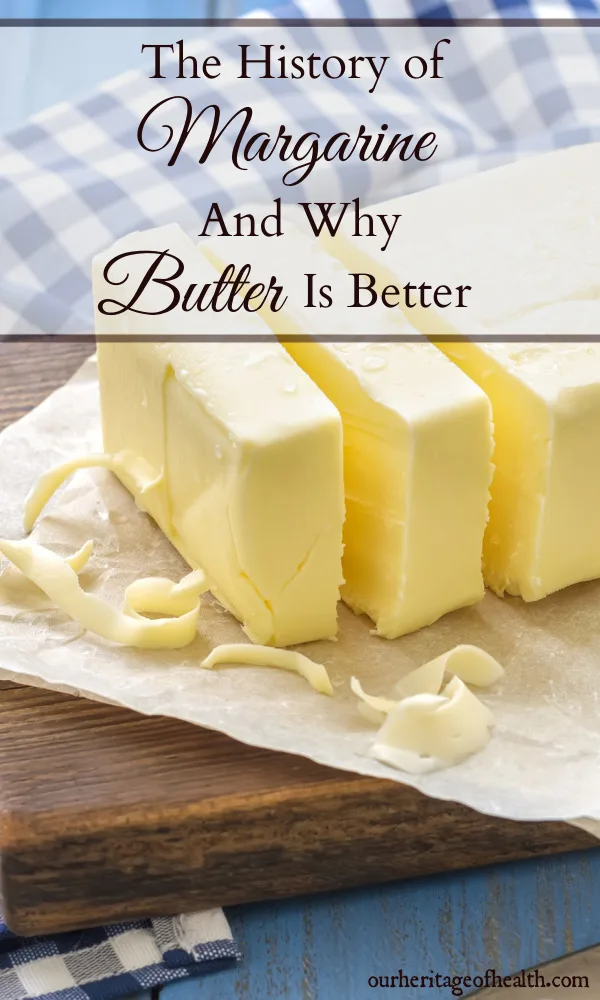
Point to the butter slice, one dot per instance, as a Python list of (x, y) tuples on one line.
[(527, 239), (417, 441), (245, 449)]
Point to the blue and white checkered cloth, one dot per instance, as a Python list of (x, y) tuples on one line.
[(74, 179), (114, 961)]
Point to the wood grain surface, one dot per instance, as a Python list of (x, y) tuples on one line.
[(30, 371), (105, 814)]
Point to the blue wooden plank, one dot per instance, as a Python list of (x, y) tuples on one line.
[(506, 917)]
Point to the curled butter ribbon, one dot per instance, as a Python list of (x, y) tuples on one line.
[(429, 725), (59, 580), (125, 462), (269, 656)]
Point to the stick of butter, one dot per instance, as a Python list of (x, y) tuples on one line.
[(417, 440), (246, 450), (526, 239)]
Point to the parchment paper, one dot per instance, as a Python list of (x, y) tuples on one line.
[(543, 761)]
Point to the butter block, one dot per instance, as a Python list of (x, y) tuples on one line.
[(417, 441), (247, 451), (526, 237), (543, 532)]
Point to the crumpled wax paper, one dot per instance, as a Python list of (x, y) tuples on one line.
[(543, 761)]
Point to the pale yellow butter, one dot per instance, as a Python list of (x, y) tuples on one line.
[(433, 724), (58, 578), (245, 450), (544, 532), (527, 239), (417, 440)]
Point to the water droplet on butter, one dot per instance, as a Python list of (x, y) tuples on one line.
[(373, 363), (290, 387), (258, 357)]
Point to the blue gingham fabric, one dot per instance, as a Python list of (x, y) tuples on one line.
[(74, 179), (114, 961)]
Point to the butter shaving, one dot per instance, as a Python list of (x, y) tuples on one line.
[(268, 656), (57, 577), (404, 760), (79, 560), (142, 476), (372, 707), (157, 595), (442, 729), (432, 726), (472, 664)]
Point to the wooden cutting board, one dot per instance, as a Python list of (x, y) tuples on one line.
[(107, 815)]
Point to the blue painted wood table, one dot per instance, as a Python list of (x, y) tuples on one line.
[(504, 918)]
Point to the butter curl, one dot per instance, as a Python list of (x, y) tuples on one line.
[(58, 578), (428, 725), (270, 656), (143, 477)]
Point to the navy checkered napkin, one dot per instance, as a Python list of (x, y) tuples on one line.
[(114, 961), (74, 179)]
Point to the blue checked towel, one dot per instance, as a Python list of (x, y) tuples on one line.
[(114, 961), (75, 179)]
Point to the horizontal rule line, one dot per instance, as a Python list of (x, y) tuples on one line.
[(341, 338), (295, 22)]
